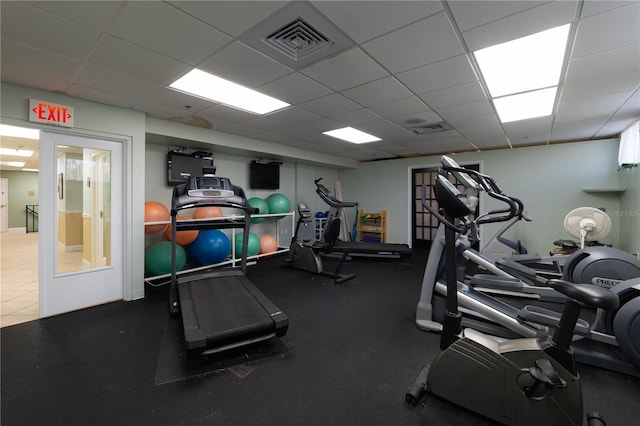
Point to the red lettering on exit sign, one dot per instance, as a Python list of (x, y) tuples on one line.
[(49, 113)]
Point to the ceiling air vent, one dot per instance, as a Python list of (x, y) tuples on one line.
[(441, 126), (297, 35)]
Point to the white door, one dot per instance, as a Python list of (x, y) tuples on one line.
[(81, 222), (4, 206)]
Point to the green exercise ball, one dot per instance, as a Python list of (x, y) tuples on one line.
[(261, 205), (253, 247), (278, 203), (157, 258)]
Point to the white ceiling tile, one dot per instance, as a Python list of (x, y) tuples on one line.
[(17, 56), (122, 84), (448, 73), (323, 125), (613, 62), (333, 104), (348, 69), (466, 110), (100, 96), (378, 92), (95, 14), (400, 107), (197, 40), (627, 82), (244, 66), (462, 94), (386, 129), (606, 31), (593, 7), (575, 130), (472, 14), (528, 132), (430, 40), (356, 117), (585, 108), (46, 31), (232, 17), (295, 88), (178, 100), (548, 15), (294, 115), (127, 58), (361, 21)]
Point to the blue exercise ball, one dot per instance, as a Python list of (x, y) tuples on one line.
[(210, 247), (157, 258)]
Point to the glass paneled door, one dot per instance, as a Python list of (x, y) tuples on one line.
[(81, 218)]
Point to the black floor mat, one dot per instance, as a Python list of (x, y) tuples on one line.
[(174, 365)]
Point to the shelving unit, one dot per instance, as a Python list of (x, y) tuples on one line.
[(320, 225), (372, 226), (232, 260)]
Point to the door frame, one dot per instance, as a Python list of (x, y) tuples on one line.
[(47, 263), (4, 208), (411, 217)]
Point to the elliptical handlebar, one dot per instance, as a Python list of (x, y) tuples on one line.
[(331, 200)]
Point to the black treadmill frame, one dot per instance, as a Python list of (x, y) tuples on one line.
[(197, 315)]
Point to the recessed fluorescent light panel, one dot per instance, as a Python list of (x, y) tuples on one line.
[(19, 132), (16, 152), (523, 65), (534, 104), (12, 163), (208, 86), (350, 134)]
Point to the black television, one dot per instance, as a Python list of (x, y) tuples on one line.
[(181, 166), (264, 175)]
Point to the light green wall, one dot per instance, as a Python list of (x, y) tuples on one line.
[(296, 181), (629, 213), (102, 121), (549, 180), (19, 186)]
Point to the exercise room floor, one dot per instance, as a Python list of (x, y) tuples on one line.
[(350, 354)]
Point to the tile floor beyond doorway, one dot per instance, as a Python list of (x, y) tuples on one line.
[(18, 278)]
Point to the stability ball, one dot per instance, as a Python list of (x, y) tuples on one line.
[(157, 258), (183, 238), (278, 203), (253, 246), (207, 212), (268, 244), (155, 212), (210, 247), (261, 205)]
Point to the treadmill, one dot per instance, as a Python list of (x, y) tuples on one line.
[(221, 309), (330, 243)]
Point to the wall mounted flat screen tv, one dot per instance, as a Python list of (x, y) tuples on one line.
[(181, 166), (264, 175)]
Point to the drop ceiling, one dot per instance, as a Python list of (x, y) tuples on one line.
[(403, 71)]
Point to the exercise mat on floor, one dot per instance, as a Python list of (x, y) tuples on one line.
[(174, 366)]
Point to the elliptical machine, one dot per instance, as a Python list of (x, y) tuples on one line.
[(610, 341), (524, 381)]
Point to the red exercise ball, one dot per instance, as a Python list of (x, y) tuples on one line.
[(183, 238), (155, 212), (205, 212), (268, 244)]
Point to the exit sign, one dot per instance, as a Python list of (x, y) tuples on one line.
[(48, 113)]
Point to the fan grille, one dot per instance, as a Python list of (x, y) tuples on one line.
[(298, 40)]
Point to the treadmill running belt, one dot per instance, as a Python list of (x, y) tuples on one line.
[(219, 310)]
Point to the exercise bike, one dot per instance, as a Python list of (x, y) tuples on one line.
[(609, 341), (531, 381), (307, 253)]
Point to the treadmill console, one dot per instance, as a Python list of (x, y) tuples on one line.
[(210, 187)]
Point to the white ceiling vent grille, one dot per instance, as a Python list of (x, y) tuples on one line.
[(297, 35), (441, 126)]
